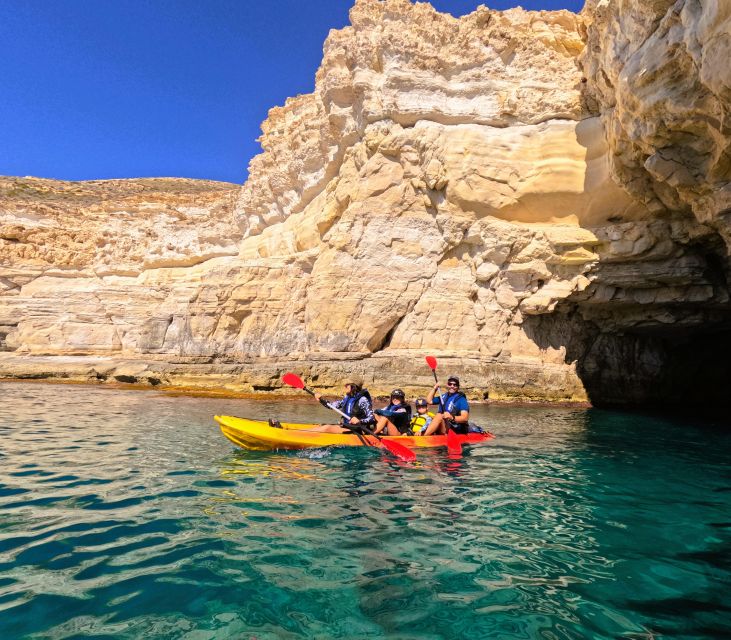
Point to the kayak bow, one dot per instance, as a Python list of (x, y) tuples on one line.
[(258, 435)]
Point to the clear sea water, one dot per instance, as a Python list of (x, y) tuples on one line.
[(126, 514)]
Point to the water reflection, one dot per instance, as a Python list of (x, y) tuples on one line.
[(128, 514)]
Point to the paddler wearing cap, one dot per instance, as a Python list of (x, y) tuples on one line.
[(356, 404), (394, 419), (454, 410)]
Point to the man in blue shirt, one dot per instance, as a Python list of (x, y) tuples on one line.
[(454, 410)]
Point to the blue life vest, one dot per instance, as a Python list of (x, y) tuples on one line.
[(352, 408), (450, 402), (399, 419), (393, 407), (450, 399)]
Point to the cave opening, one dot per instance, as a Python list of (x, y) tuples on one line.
[(660, 368), (666, 367), (650, 332)]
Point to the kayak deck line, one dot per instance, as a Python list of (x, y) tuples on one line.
[(258, 435)]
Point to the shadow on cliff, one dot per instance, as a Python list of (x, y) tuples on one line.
[(672, 355), (658, 367)]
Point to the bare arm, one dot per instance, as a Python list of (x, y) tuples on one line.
[(430, 397)]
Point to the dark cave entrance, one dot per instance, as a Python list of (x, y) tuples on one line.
[(651, 333), (678, 368), (657, 367)]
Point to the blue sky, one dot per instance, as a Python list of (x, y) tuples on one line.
[(95, 89)]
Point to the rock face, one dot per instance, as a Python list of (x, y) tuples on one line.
[(85, 266), (659, 77), (537, 198), (661, 80)]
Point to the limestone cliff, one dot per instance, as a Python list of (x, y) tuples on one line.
[(661, 80), (80, 262), (537, 198), (658, 75)]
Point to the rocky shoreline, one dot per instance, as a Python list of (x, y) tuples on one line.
[(482, 381), (227, 394)]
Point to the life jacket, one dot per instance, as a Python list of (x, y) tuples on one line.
[(351, 406), (450, 401), (403, 405), (420, 420)]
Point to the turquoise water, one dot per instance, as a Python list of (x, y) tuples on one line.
[(128, 515)]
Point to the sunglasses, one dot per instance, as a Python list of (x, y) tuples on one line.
[(452, 384)]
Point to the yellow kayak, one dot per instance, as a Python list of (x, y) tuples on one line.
[(258, 435)]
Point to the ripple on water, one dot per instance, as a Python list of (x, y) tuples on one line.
[(572, 524)]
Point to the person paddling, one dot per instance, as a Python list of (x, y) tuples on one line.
[(357, 404), (454, 409), (394, 419)]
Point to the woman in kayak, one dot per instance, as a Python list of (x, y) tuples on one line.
[(394, 419), (356, 403), (454, 409)]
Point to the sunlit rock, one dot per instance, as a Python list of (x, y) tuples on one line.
[(540, 199)]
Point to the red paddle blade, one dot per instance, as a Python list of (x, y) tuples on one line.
[(432, 362), (453, 443), (399, 450), (293, 380)]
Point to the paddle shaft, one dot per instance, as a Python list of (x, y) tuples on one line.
[(439, 391), (353, 428), (349, 427), (453, 444), (325, 403)]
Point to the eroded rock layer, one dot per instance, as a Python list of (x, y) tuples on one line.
[(658, 75), (537, 198)]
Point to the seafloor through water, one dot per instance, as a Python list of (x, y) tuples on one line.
[(128, 515)]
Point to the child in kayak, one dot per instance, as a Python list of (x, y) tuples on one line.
[(356, 403), (423, 416), (454, 410), (394, 419)]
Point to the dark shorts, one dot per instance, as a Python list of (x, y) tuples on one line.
[(402, 422), (457, 427), (369, 426)]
